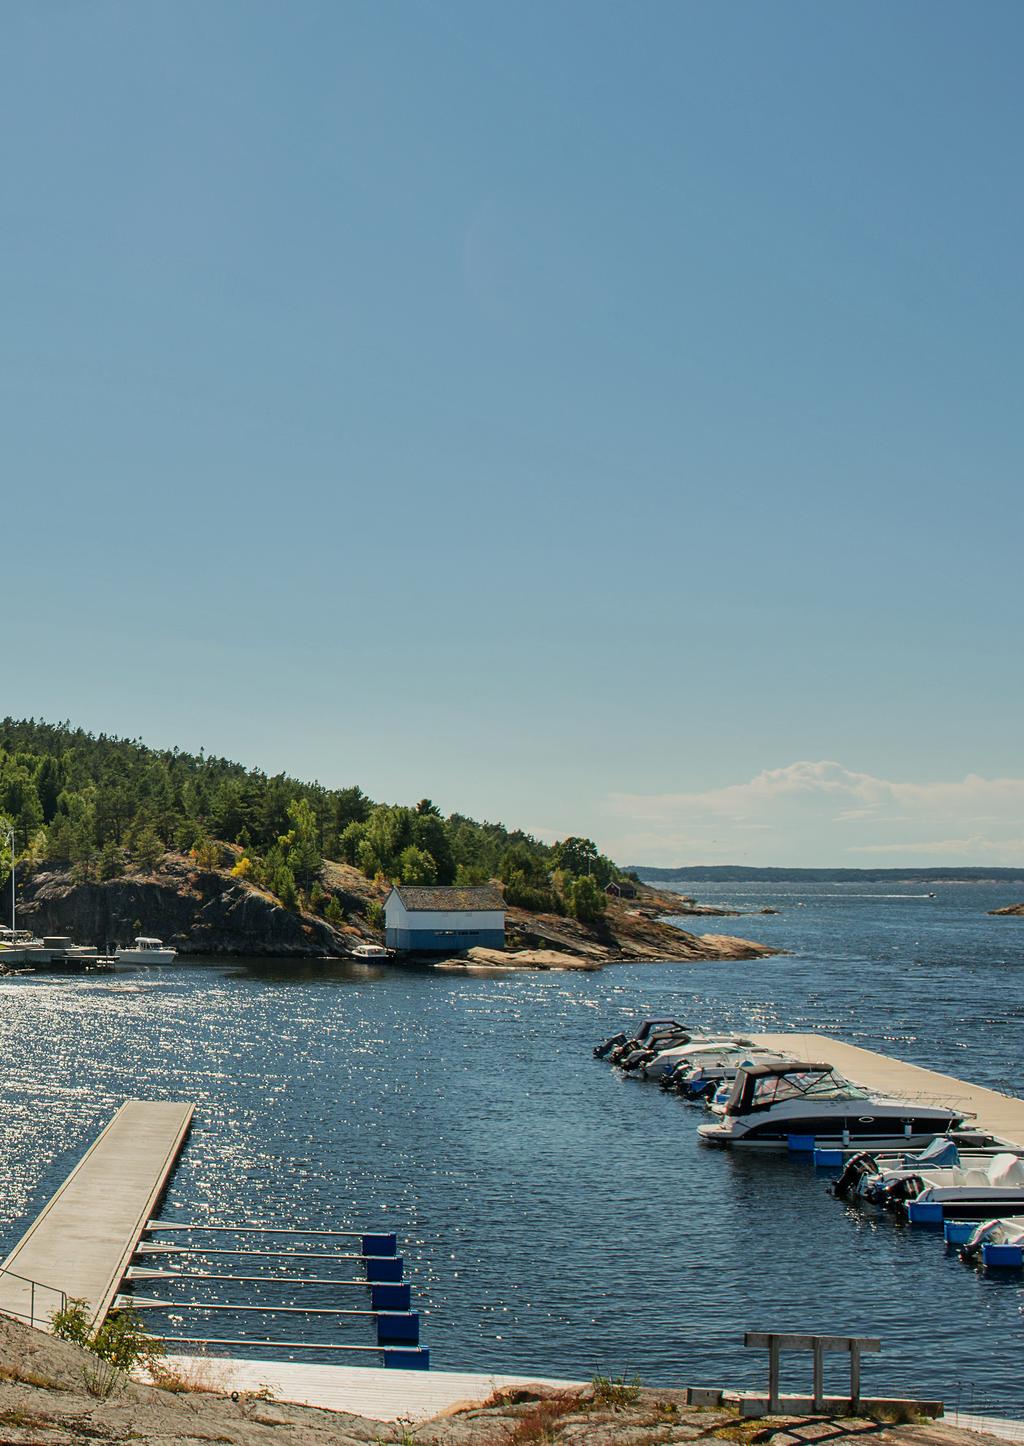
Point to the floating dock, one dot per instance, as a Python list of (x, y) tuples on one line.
[(382, 1395), (996, 1114), (81, 1244)]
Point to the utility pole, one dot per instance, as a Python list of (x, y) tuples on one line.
[(10, 844)]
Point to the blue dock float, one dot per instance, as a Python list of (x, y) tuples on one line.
[(1009, 1257), (958, 1232), (383, 1268), (925, 1212), (800, 1144), (828, 1157), (390, 1297), (398, 1328), (379, 1244)]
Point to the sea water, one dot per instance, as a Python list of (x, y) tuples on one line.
[(554, 1217)]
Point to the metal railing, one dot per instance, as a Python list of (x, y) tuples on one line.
[(58, 1299)]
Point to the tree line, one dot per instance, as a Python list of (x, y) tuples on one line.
[(101, 805)]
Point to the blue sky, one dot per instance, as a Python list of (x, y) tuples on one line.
[(572, 411)]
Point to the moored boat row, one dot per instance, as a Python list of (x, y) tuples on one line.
[(919, 1159)]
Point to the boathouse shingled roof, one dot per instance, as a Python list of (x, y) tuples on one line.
[(450, 900)]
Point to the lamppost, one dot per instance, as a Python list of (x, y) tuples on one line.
[(9, 837)]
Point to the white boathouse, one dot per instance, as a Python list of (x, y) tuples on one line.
[(435, 920)]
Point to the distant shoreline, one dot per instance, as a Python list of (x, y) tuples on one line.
[(741, 874)]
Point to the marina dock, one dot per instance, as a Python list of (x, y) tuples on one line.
[(997, 1114), (81, 1244)]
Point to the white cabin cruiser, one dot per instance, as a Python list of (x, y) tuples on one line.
[(369, 951), (146, 951), (772, 1102)]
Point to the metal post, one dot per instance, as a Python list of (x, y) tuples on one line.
[(854, 1374), (32, 1305), (10, 840), (819, 1374), (773, 1373)]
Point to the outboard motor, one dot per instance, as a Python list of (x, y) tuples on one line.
[(853, 1171), (895, 1195), (673, 1079), (697, 1087), (633, 1063), (601, 1050)]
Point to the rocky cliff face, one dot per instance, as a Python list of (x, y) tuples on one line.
[(198, 911)]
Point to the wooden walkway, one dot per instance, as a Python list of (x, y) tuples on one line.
[(1000, 1115), (83, 1240), (383, 1395)]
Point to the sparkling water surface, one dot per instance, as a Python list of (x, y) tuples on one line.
[(554, 1217)]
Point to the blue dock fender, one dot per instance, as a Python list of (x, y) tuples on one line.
[(924, 1212), (390, 1297), (383, 1267), (380, 1245), (401, 1328), (958, 1232), (800, 1144), (1005, 1255)]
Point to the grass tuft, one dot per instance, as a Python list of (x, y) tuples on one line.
[(616, 1391)]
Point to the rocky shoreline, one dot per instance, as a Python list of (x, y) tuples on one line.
[(210, 912), (1017, 909), (54, 1393)]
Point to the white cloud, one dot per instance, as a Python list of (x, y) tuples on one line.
[(820, 813)]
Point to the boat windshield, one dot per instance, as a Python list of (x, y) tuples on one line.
[(805, 1084)]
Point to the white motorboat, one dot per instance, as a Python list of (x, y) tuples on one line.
[(698, 1051), (770, 1103), (867, 1175), (969, 1191), (702, 1077), (146, 951), (653, 1033), (993, 1242), (369, 951)]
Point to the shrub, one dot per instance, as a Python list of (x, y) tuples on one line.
[(120, 1343), (616, 1390), (207, 854)]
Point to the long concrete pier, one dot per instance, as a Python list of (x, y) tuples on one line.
[(999, 1115), (81, 1243)]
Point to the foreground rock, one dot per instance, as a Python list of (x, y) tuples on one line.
[(53, 1393), (1009, 909)]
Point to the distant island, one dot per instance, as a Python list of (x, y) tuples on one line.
[(114, 839), (741, 874)]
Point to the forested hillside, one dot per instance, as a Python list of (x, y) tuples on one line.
[(102, 804)]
